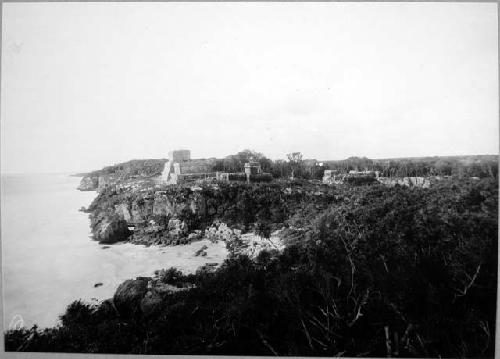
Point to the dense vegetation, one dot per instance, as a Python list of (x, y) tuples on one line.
[(143, 168), (371, 271), (457, 166), (485, 166)]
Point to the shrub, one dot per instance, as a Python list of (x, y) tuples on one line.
[(261, 177)]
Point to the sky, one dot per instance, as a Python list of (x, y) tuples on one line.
[(85, 85)]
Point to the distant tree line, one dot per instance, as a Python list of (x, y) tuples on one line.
[(294, 166), (144, 168), (297, 167), (458, 166)]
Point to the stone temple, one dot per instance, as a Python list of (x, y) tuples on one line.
[(181, 168)]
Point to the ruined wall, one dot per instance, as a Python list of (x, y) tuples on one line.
[(406, 181), (194, 166), (177, 172), (252, 168)]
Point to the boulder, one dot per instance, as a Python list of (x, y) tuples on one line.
[(128, 296), (111, 230), (202, 251)]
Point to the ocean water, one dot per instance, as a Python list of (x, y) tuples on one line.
[(49, 259)]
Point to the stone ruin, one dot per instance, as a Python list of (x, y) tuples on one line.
[(252, 170), (181, 168), (334, 177), (406, 181)]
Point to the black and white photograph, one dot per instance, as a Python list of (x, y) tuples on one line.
[(308, 179)]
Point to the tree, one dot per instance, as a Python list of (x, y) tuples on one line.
[(236, 162)]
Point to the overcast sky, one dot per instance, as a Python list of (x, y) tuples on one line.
[(86, 85)]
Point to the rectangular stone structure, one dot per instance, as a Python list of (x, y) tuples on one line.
[(252, 168), (179, 156)]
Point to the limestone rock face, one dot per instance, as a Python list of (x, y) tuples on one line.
[(88, 184), (160, 206), (136, 214), (111, 230), (171, 208), (123, 211), (128, 296), (220, 231)]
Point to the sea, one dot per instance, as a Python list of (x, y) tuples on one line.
[(50, 260)]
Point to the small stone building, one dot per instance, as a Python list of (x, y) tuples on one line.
[(252, 168)]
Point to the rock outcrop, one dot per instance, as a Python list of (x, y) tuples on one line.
[(221, 231), (177, 228), (88, 184), (144, 296), (110, 230), (174, 215), (124, 212), (129, 294), (406, 181)]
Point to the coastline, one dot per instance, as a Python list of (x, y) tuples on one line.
[(68, 262)]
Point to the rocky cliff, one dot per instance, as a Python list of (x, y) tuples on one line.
[(143, 211), (133, 205)]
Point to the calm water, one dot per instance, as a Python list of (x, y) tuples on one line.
[(49, 260)]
